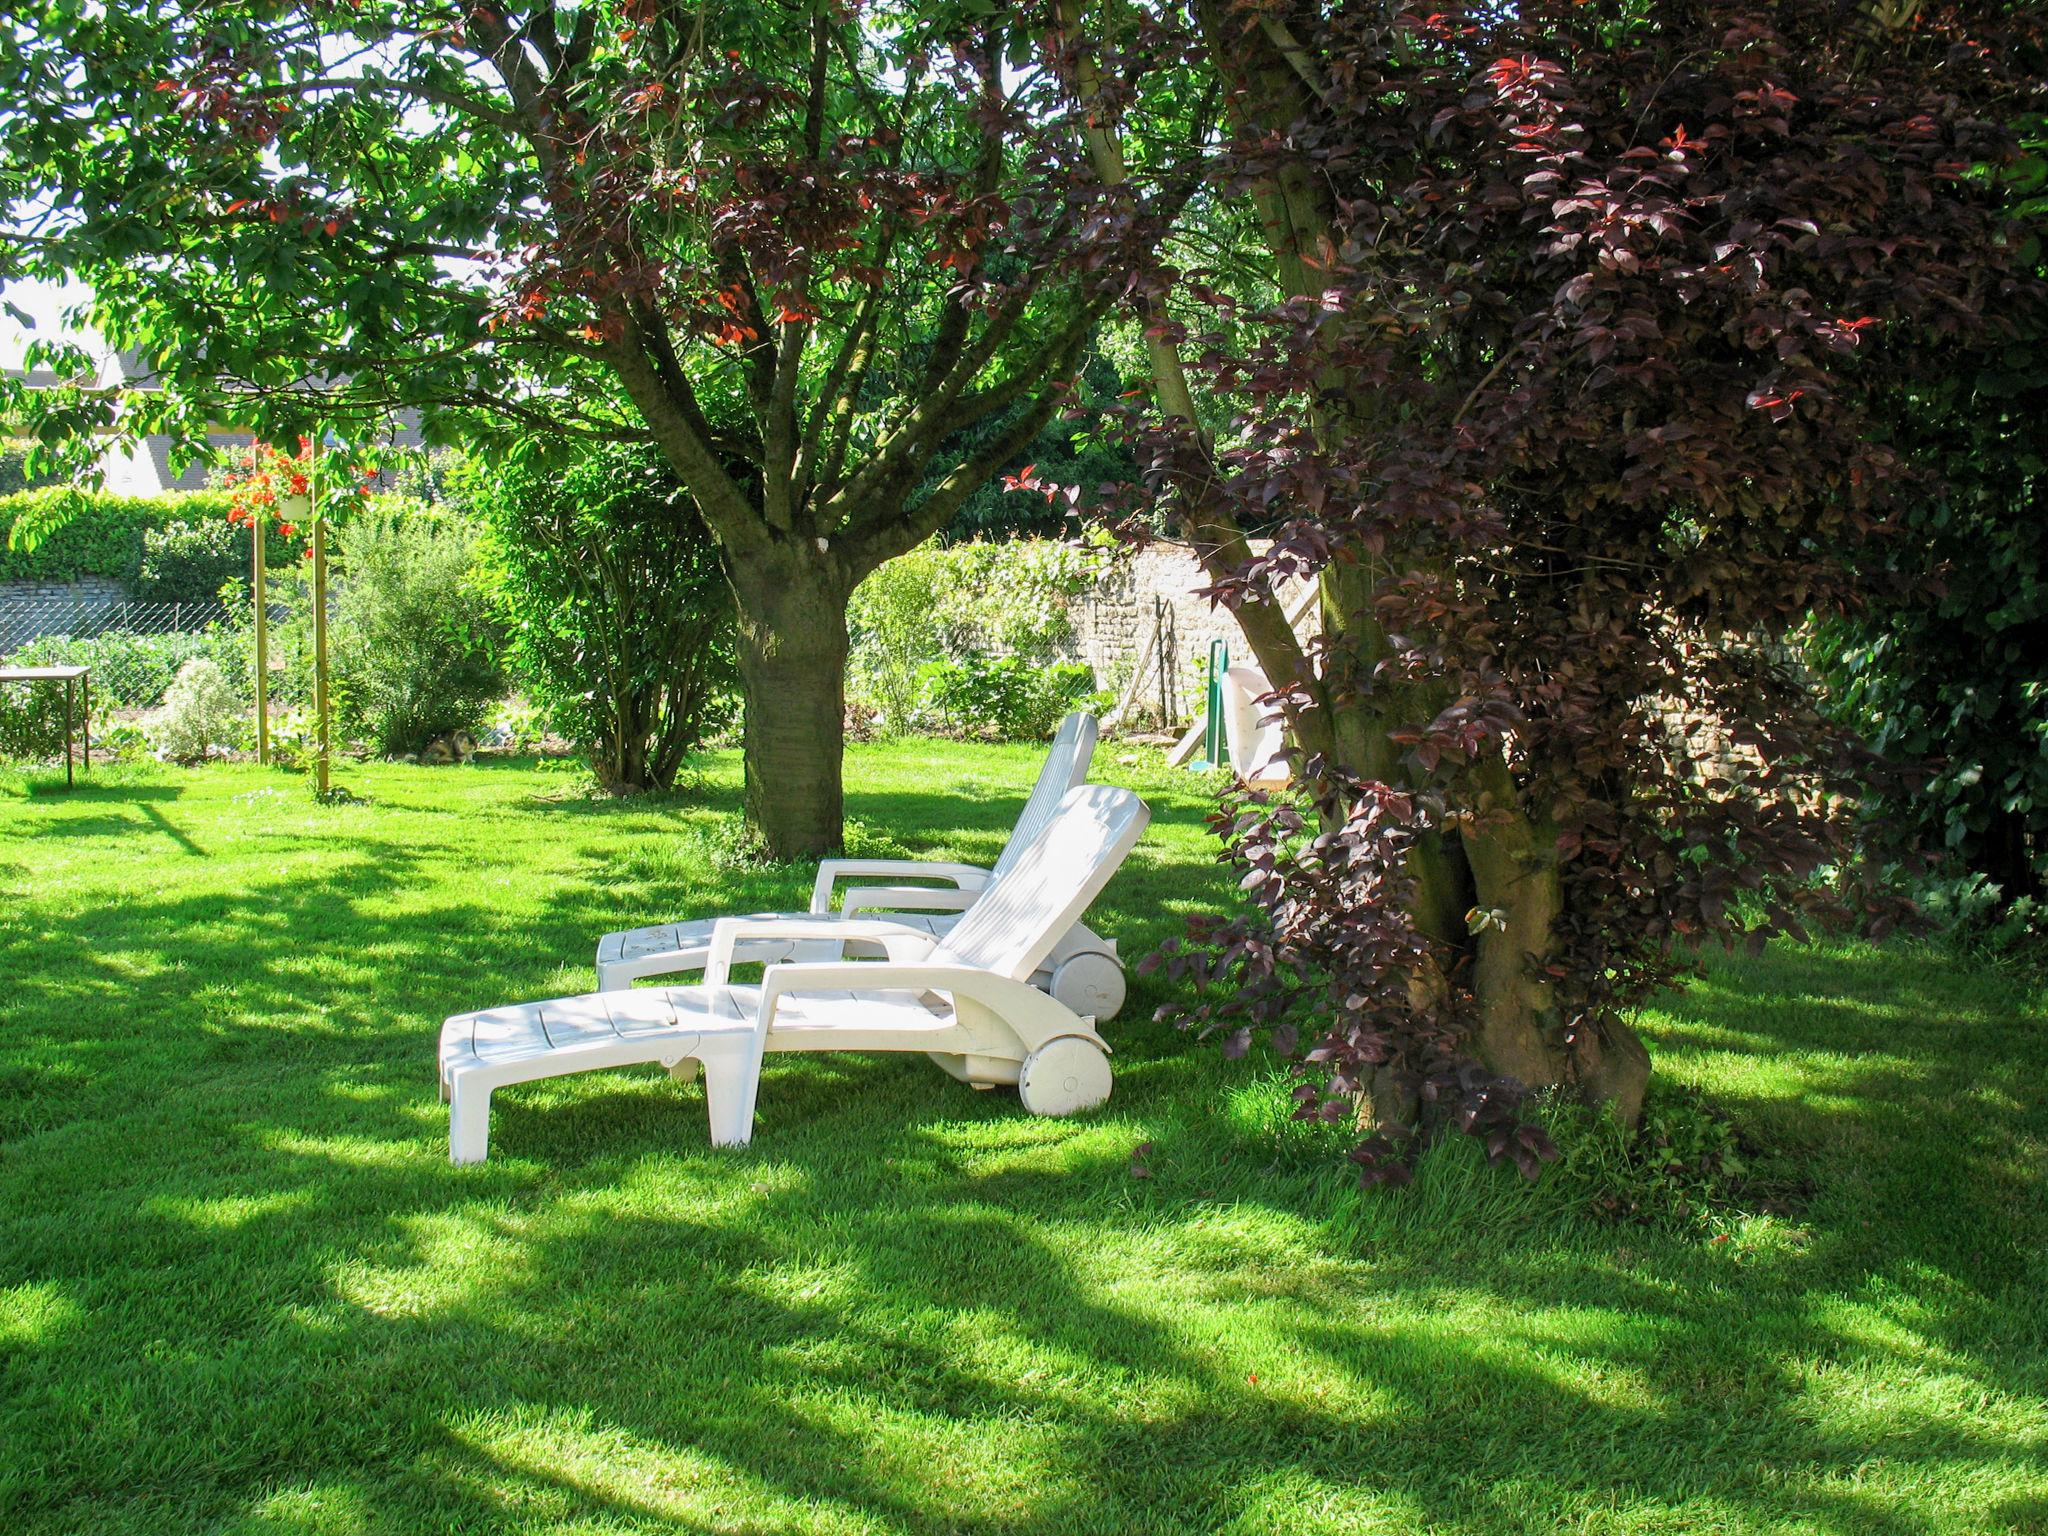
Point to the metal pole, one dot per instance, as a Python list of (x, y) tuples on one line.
[(260, 579), (1219, 662), (319, 618), (85, 691), (1165, 647)]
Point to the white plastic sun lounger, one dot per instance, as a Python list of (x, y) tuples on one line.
[(1082, 970), (963, 998)]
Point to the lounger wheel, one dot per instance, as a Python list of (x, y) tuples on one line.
[(1064, 1076), (1091, 985)]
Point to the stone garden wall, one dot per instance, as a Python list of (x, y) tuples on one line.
[(1148, 598), (32, 608)]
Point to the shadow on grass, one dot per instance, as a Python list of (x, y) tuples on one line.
[(247, 1291)]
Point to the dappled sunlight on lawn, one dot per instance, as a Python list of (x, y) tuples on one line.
[(241, 1288)]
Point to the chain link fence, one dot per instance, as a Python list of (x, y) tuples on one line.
[(134, 649), (133, 652)]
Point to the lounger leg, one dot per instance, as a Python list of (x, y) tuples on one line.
[(469, 1123), (731, 1081), (686, 1070)]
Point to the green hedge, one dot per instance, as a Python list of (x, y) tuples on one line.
[(14, 475), (105, 537)]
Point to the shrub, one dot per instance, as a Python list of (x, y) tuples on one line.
[(1976, 916), (956, 603), (1949, 673), (295, 739), (31, 720), (518, 725), (414, 651), (1006, 697), (96, 534), (200, 714), (14, 475), (189, 562), (620, 624)]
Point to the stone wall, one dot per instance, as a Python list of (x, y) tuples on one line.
[(32, 608), (1147, 597)]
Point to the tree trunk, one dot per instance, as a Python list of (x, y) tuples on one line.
[(1519, 887), (1507, 864), (792, 656), (1503, 866)]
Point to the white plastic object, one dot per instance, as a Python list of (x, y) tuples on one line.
[(1255, 741), (677, 949), (1091, 983), (963, 997), (1064, 1076)]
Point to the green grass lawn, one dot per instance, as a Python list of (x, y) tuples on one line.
[(241, 1288)]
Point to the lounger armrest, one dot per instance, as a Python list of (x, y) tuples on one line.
[(897, 941), (965, 877), (1032, 1013), (906, 898)]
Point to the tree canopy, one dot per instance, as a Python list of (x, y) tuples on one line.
[(1572, 392), (795, 247)]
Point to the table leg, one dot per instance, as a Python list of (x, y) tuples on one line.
[(70, 691)]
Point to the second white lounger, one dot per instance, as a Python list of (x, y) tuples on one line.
[(965, 998), (1081, 970)]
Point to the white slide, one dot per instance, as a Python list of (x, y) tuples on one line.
[(1255, 733), (964, 998), (1082, 970)]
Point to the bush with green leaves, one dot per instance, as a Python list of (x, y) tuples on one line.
[(14, 472), (31, 721), (1975, 915), (201, 714), (414, 646), (1007, 698), (1949, 670), (190, 561), (95, 534), (963, 604), (619, 622)]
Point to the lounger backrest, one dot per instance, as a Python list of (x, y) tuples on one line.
[(1065, 766), (1023, 912)]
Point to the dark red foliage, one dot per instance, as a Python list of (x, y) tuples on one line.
[(1605, 297)]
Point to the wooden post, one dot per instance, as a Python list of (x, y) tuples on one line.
[(319, 622), (259, 578)]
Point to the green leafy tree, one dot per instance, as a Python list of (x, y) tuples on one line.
[(619, 622), (1946, 665), (715, 230)]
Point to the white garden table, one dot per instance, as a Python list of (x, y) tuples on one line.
[(75, 681)]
